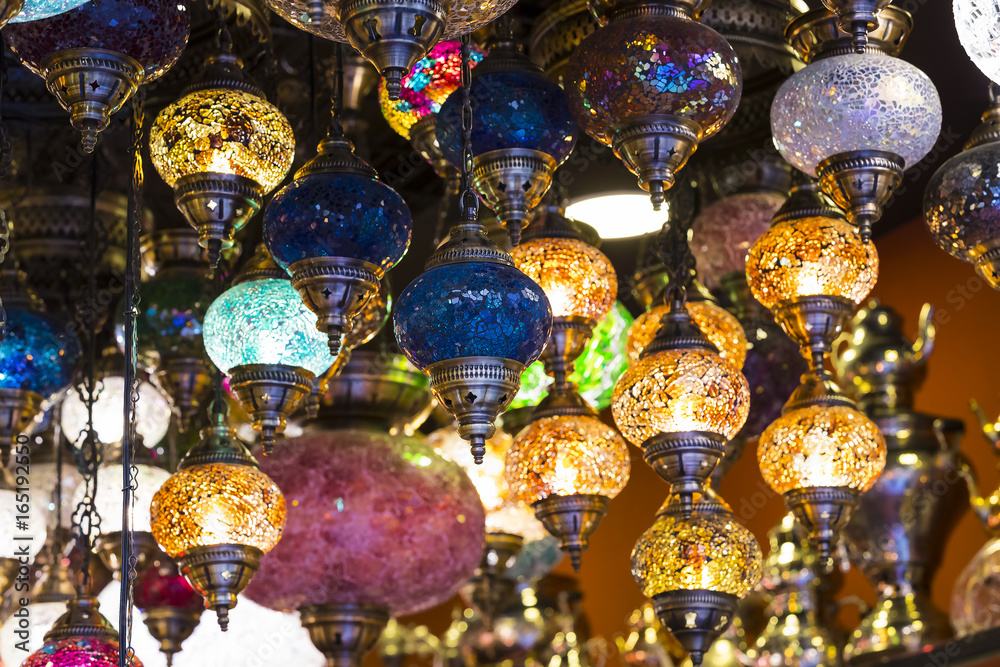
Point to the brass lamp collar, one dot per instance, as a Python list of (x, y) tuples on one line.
[(678, 332), (467, 242), (817, 34), (818, 388), (173, 248), (57, 585), (807, 201), (218, 444), (224, 71), (260, 267), (335, 154), (562, 401), (682, 9), (82, 619), (550, 222), (988, 131), (505, 55)]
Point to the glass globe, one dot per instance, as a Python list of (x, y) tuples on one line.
[(34, 10), (472, 309), (577, 278), (567, 455), (372, 519), (144, 644), (162, 585), (962, 202), (537, 558), (811, 257), (152, 416), (264, 322), (172, 306), (720, 327), (222, 131), (652, 65), (77, 652), (32, 535), (855, 102), (595, 372), (40, 616), (108, 496), (427, 85), (973, 607), (153, 32), (704, 551), (724, 231), (217, 503), (487, 477), (678, 391), (257, 636), (510, 109), (516, 518), (43, 485), (821, 446), (772, 368), (976, 22), (39, 353), (337, 214)]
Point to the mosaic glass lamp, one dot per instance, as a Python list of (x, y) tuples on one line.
[(337, 229), (855, 121), (720, 327), (695, 564), (976, 23), (38, 357), (81, 636), (472, 322), (217, 515), (152, 419), (652, 84), (17, 11), (261, 334), (222, 146), (522, 130), (171, 607), (961, 202), (93, 58)]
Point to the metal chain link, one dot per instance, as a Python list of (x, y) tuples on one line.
[(673, 248), (469, 201)]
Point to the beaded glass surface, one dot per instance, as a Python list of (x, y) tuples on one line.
[(108, 496), (426, 86), (811, 257), (973, 601), (509, 110), (720, 327), (224, 132), (978, 25), (677, 391), (172, 307), (152, 416), (821, 446), (462, 16), (372, 519), (567, 455), (962, 202), (577, 278), (723, 232), (595, 372), (153, 32), (39, 353), (772, 368), (77, 652), (33, 10), (264, 322), (653, 65), (855, 102), (472, 309), (217, 503), (702, 552), (337, 215)]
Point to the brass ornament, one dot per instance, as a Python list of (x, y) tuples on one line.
[(271, 394), (572, 520), (220, 573), (344, 633)]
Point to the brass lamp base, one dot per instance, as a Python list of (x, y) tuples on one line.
[(824, 512), (271, 393), (82, 619), (344, 633), (171, 626), (18, 408), (861, 182), (566, 343), (217, 206), (857, 18), (8, 572), (109, 550), (220, 573), (488, 590), (696, 618), (92, 85), (336, 289), (685, 461), (475, 391), (986, 259), (572, 520), (188, 383), (512, 181), (391, 34), (654, 148), (814, 322)]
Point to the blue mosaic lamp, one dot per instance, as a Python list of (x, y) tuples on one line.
[(522, 130), (16, 11), (38, 357), (261, 334), (472, 322), (337, 229)]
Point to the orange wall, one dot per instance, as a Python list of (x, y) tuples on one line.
[(963, 365)]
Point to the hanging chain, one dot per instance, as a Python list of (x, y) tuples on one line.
[(337, 92), (5, 160), (469, 202), (673, 248), (130, 473)]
